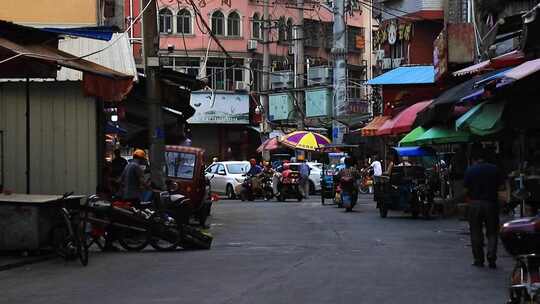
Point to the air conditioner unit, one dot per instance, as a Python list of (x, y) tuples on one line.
[(282, 80), (320, 75), (252, 45), (240, 86)]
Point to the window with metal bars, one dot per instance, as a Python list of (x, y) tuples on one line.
[(183, 22), (218, 23), (165, 21), (233, 25)]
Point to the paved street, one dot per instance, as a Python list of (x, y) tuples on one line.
[(280, 253)]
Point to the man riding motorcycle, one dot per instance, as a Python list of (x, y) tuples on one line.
[(289, 184), (257, 182), (348, 183)]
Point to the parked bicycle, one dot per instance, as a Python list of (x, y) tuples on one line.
[(70, 238)]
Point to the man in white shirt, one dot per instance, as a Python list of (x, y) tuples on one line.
[(377, 173), (377, 167)]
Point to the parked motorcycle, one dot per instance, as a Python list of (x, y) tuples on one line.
[(422, 198), (521, 238), (366, 181), (259, 186), (162, 225)]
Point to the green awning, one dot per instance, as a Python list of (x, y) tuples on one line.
[(483, 119), (411, 137), (442, 135)]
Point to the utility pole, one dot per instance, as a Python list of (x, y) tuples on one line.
[(299, 64), (339, 53), (266, 67), (151, 70)]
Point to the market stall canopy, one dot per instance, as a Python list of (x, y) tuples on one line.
[(305, 140), (27, 58), (406, 75), (522, 71), (411, 137), (507, 60), (503, 79), (269, 145), (483, 119), (441, 135), (414, 151), (373, 126), (402, 123), (441, 109)]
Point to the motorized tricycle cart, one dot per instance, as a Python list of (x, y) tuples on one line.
[(407, 187)]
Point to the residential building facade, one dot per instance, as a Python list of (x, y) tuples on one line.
[(61, 13), (407, 31), (186, 46)]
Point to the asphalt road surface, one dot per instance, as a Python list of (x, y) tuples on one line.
[(269, 252)]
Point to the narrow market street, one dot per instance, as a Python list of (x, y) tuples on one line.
[(269, 252)]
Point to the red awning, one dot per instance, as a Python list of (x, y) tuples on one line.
[(98, 81), (506, 60), (371, 128), (402, 123), (269, 145)]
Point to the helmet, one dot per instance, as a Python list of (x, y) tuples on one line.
[(215, 159), (139, 154), (253, 162)]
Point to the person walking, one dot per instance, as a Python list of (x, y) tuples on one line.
[(305, 170), (482, 181), (376, 166)]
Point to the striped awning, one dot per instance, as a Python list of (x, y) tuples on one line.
[(373, 126)]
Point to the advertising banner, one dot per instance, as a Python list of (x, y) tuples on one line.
[(219, 108)]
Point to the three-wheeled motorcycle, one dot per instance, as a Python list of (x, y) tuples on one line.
[(408, 187), (184, 167)]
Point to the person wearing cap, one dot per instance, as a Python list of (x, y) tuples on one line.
[(255, 169), (132, 178)]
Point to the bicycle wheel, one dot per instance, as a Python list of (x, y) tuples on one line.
[(518, 280)]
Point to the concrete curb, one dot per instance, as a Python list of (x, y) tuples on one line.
[(26, 261)]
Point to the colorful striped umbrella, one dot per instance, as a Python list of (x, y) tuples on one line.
[(305, 140)]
